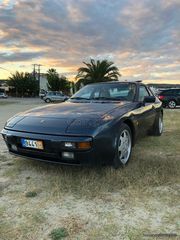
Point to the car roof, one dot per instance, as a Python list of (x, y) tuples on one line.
[(169, 89)]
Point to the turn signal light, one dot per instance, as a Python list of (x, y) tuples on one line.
[(83, 145)]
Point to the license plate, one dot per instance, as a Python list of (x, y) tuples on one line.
[(28, 143)]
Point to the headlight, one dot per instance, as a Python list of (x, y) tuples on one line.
[(70, 145), (78, 145), (12, 121)]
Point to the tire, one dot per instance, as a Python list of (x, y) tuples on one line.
[(123, 149), (172, 104), (158, 125), (48, 100), (164, 105)]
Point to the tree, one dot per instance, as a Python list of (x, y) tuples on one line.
[(56, 83), (64, 84), (32, 85), (24, 84), (53, 80), (97, 71)]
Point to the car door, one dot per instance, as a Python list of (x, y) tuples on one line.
[(60, 97), (54, 96), (147, 110), (178, 96)]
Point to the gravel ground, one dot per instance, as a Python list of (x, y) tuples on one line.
[(127, 204)]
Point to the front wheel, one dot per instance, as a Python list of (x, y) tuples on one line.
[(158, 125), (48, 100), (123, 147)]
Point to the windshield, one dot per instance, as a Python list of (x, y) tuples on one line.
[(107, 91)]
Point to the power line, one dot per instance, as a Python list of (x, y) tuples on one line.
[(5, 69)]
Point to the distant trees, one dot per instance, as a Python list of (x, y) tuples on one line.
[(56, 82), (23, 84), (94, 71), (97, 71)]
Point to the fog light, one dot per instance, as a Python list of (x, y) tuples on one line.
[(69, 155), (13, 147), (84, 145), (70, 145)]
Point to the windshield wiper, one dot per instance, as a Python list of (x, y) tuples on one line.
[(79, 98), (105, 98)]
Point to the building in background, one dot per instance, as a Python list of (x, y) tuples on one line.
[(4, 86), (43, 82)]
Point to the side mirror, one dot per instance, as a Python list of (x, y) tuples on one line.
[(149, 99)]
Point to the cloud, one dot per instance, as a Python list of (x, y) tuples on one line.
[(141, 37), (21, 56)]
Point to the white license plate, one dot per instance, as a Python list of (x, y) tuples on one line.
[(28, 143)]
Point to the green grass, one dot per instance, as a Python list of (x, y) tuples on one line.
[(31, 194), (150, 182), (58, 233), (4, 102)]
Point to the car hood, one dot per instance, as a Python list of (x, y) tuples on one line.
[(64, 118)]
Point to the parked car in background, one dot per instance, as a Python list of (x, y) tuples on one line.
[(55, 97), (3, 95), (170, 97)]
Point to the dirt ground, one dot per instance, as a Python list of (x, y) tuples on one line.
[(139, 202)]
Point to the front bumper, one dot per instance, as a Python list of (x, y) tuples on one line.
[(53, 148)]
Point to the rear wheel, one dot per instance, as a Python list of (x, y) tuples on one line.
[(123, 147), (171, 104)]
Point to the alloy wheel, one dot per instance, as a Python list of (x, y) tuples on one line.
[(172, 104), (124, 146), (160, 124)]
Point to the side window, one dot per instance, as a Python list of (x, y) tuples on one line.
[(169, 92), (142, 93), (177, 92)]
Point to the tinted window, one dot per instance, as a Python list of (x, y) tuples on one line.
[(142, 93), (178, 91), (170, 92)]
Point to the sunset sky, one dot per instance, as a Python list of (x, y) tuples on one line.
[(141, 37)]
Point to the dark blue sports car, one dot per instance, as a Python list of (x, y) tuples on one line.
[(98, 125)]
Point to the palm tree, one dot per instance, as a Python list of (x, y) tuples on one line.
[(97, 71), (53, 80), (23, 83), (56, 82)]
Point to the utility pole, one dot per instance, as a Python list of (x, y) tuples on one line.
[(38, 72), (34, 71)]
